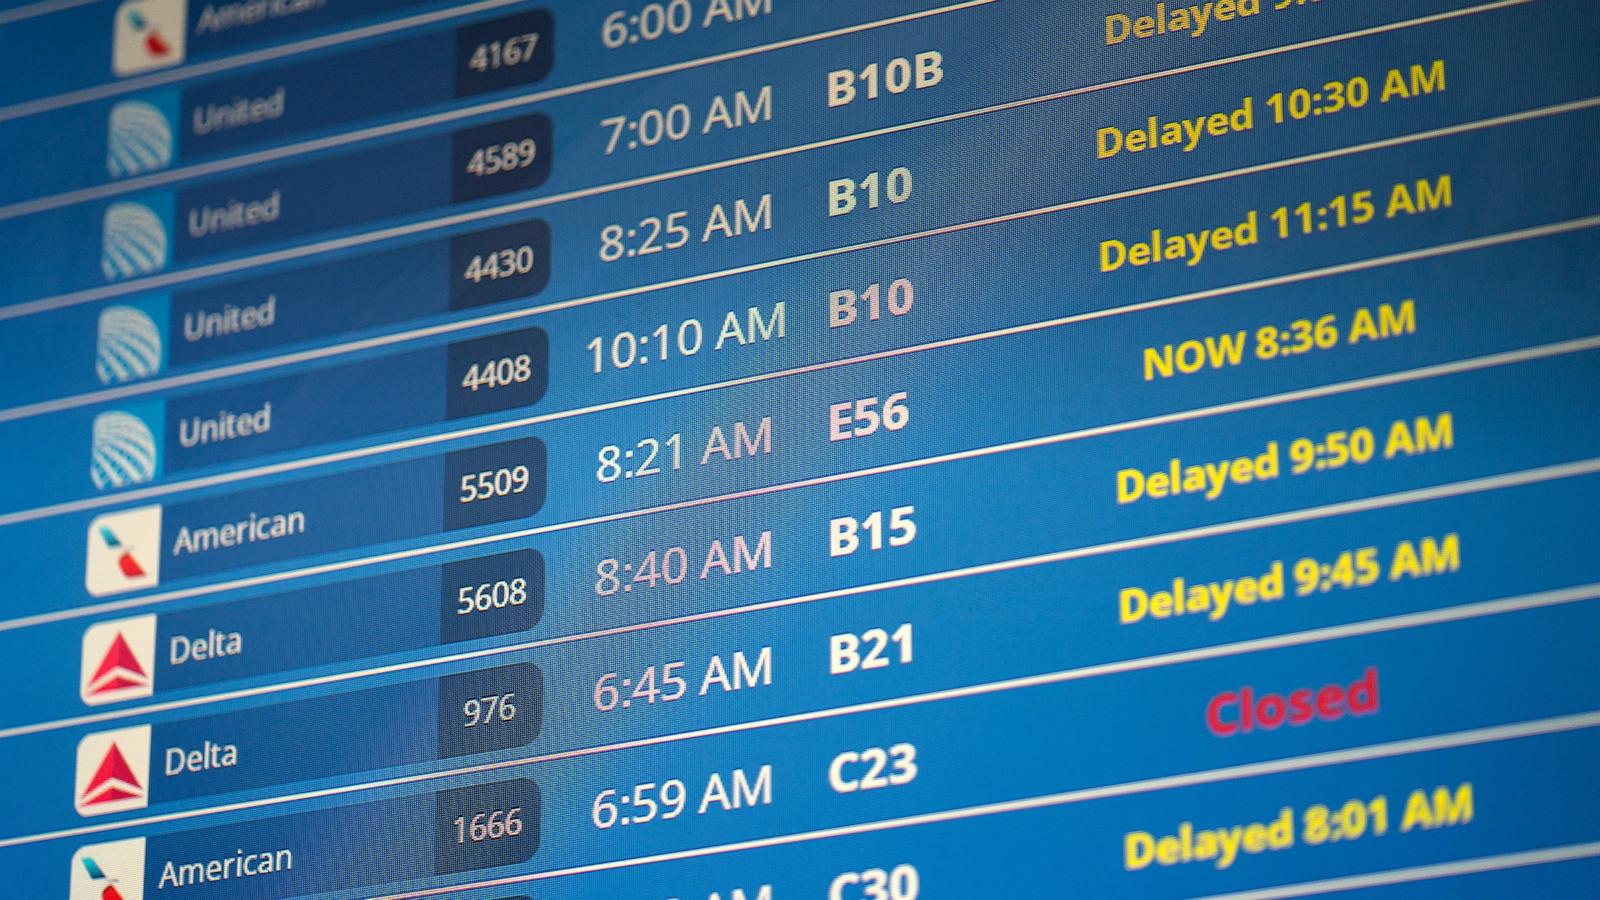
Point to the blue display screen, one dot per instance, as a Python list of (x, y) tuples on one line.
[(799, 449)]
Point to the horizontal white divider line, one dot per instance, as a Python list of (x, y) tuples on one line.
[(168, 488), (44, 7), (523, 101), (1497, 359), (266, 54), (1545, 856), (180, 276), (518, 102), (1375, 626), (1213, 776)]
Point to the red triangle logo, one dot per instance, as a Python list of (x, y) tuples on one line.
[(113, 781), (119, 669)]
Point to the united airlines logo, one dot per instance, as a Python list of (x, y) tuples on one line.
[(124, 551), (149, 34), (119, 661), (138, 139), (134, 241), (129, 345), (113, 771), (113, 871), (124, 452)]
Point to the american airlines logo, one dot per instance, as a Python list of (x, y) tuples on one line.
[(123, 552), (113, 771), (118, 661), (148, 34), (112, 871)]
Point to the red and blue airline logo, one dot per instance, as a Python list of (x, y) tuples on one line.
[(154, 44), (111, 871), (149, 34), (99, 876), (125, 561), (123, 552)]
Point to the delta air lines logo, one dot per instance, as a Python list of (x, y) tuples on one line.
[(133, 241), (124, 551), (124, 451), (138, 139), (129, 344), (118, 661), (113, 871), (149, 34), (113, 771)]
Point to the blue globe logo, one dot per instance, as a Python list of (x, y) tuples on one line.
[(129, 345), (124, 451), (135, 241), (139, 139)]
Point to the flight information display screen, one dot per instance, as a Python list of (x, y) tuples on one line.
[(799, 449)]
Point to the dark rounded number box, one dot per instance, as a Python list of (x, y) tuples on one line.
[(496, 373), (485, 826), (499, 264), (492, 484), (506, 52), (491, 709), (501, 157), (491, 596)]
